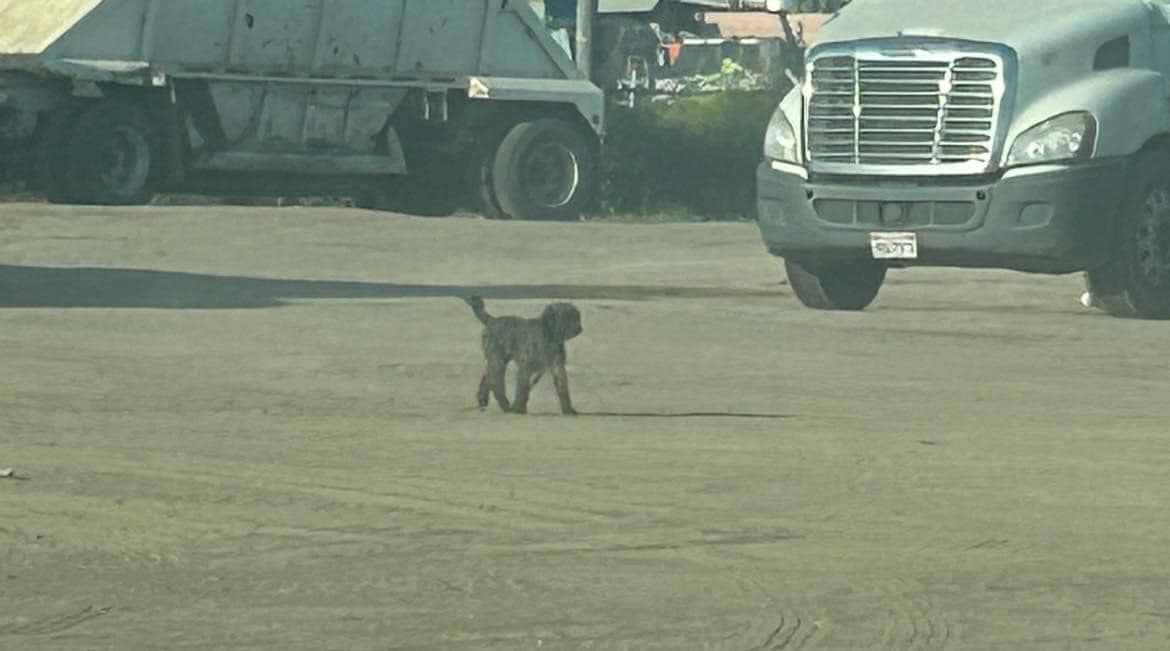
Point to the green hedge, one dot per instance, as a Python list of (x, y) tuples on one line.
[(695, 158)]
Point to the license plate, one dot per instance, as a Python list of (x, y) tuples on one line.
[(894, 246)]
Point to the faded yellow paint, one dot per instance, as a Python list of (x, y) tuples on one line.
[(30, 26)]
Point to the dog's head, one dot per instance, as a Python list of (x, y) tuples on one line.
[(561, 321)]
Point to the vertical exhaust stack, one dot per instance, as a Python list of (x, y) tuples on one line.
[(586, 19)]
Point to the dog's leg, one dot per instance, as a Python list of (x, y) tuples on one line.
[(561, 382), (484, 395), (523, 390), (497, 372)]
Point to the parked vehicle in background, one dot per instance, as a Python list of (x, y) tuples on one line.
[(1028, 136), (111, 101)]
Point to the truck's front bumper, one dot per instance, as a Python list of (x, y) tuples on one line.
[(1055, 219)]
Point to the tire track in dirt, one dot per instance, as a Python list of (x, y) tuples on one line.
[(913, 623), (54, 624), (599, 510), (790, 630), (260, 486), (793, 632), (530, 515), (640, 542)]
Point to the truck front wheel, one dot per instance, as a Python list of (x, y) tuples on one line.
[(543, 169), (835, 286), (1136, 282), (113, 155)]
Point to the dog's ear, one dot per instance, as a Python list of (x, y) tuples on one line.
[(561, 322), (550, 324)]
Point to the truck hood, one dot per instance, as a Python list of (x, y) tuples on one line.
[(1025, 26)]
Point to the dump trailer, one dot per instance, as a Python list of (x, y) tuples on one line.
[(112, 101), (1032, 136)]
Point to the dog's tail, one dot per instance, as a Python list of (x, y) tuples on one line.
[(480, 310)]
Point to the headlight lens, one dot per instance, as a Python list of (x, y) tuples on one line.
[(1071, 136), (780, 142)]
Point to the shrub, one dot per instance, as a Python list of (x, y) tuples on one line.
[(694, 157)]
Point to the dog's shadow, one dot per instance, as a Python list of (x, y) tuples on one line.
[(714, 415)]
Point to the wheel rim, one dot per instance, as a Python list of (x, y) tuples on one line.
[(124, 161), (1153, 237), (551, 175)]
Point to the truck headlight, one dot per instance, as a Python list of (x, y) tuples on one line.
[(780, 141), (1071, 136)]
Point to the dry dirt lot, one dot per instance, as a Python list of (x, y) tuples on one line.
[(255, 429)]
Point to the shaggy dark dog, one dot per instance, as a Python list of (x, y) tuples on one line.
[(536, 345)]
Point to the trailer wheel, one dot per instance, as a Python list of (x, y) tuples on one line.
[(543, 170), (113, 155), (850, 286), (1136, 282)]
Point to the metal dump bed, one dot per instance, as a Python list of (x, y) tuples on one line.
[(431, 40), (468, 93)]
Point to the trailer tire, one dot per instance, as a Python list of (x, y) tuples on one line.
[(114, 155), (845, 286), (544, 170), (1135, 283)]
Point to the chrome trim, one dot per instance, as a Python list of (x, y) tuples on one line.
[(908, 59)]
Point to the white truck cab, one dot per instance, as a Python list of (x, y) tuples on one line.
[(1032, 136)]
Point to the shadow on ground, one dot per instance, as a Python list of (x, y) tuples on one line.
[(689, 415), (89, 287)]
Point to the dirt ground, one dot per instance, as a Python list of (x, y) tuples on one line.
[(255, 429)]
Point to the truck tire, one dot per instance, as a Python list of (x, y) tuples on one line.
[(113, 155), (543, 170), (850, 286), (1135, 284)]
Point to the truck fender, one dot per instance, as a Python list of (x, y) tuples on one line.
[(1131, 107)]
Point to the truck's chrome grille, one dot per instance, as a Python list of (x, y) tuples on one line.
[(903, 114)]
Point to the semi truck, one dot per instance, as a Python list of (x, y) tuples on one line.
[(113, 101), (1031, 136)]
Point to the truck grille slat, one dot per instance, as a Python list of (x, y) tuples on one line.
[(868, 109)]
